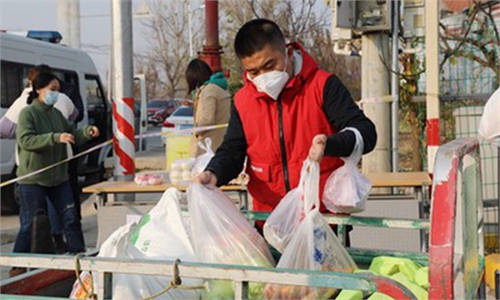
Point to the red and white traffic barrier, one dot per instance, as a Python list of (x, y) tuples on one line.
[(123, 136)]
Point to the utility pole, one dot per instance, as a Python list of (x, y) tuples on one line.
[(395, 89), (68, 22), (432, 79), (212, 51), (123, 100), (375, 85)]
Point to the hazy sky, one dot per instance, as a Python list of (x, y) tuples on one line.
[(95, 24)]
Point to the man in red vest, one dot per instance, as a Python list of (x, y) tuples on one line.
[(287, 110)]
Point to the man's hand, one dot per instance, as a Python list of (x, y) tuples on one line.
[(94, 131), (318, 147), (206, 178), (66, 138)]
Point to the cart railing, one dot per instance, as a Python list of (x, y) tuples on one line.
[(455, 258), (240, 275), (456, 254)]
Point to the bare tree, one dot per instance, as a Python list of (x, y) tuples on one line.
[(480, 45), (301, 21), (168, 57), (146, 66)]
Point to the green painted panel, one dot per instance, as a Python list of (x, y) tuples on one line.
[(358, 221)]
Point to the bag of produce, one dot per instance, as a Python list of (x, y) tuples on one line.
[(221, 234), (346, 190), (286, 217), (313, 246), (148, 179), (161, 234), (180, 170)]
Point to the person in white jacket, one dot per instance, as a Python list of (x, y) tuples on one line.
[(489, 126), (8, 125)]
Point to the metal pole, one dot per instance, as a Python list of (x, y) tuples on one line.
[(74, 23), (190, 34), (497, 284), (395, 88), (143, 116), (375, 84), (211, 52), (123, 101), (432, 79), (63, 20)]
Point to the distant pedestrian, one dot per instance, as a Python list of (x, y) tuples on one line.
[(212, 103)]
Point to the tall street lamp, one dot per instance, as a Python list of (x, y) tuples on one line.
[(190, 12)]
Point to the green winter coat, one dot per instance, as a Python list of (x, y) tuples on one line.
[(38, 132)]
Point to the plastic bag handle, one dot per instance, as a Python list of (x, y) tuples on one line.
[(207, 146), (309, 185), (357, 151)]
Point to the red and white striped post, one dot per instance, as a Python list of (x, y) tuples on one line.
[(123, 101), (432, 79)]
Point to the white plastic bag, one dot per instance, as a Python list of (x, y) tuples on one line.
[(160, 234), (180, 170), (286, 217), (203, 160), (144, 179), (346, 190), (221, 234), (489, 126), (114, 246), (313, 245)]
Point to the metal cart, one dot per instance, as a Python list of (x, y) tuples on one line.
[(455, 257)]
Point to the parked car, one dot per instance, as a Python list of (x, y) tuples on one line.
[(160, 109), (182, 118)]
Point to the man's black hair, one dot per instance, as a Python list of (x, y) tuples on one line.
[(254, 35)]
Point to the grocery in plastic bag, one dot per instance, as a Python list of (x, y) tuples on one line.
[(203, 160), (221, 234), (180, 170), (145, 179), (286, 217), (313, 245), (160, 234), (346, 190)]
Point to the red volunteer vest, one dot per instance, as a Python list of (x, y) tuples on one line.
[(302, 117)]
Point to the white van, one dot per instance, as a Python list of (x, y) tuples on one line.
[(17, 55)]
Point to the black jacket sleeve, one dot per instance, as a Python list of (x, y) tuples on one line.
[(230, 156), (342, 112)]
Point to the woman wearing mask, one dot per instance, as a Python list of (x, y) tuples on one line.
[(42, 134), (8, 126), (212, 103)]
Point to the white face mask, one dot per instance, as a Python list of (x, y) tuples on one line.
[(271, 83)]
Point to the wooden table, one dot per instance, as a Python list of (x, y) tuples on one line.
[(400, 179), (105, 188)]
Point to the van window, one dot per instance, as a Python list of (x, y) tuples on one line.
[(95, 97), (67, 76), (97, 108), (13, 81)]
